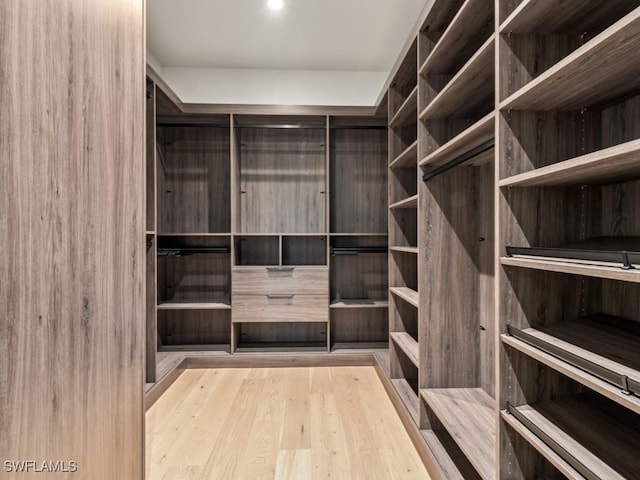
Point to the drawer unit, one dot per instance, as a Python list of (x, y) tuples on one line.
[(280, 280), (280, 307)]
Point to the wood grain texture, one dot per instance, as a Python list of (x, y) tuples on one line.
[(280, 423), (283, 175), (296, 280), (548, 16), (596, 72), (195, 328), (358, 181), (280, 307), (195, 189), (73, 221)]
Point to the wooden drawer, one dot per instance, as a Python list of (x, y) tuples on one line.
[(280, 307), (290, 280)]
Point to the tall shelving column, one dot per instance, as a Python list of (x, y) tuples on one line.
[(358, 240), (458, 414), (403, 232), (569, 192)]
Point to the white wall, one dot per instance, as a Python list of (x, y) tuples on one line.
[(273, 87)]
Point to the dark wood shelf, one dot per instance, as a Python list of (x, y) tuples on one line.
[(551, 16), (360, 303), (410, 202), (408, 345), (463, 31), (477, 134), (614, 164), (193, 305), (407, 113), (407, 294), (602, 70), (592, 436), (408, 158), (472, 87), (408, 396), (468, 415)]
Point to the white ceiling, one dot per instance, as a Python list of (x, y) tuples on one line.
[(335, 35)]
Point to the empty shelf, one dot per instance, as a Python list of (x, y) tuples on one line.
[(221, 348), (605, 346), (360, 347), (407, 294), (573, 268), (360, 303), (596, 438), (412, 250), (618, 163), (193, 305), (622, 251), (411, 202), (603, 69), (468, 416), (408, 396), (470, 89), (407, 113), (551, 16), (408, 345), (282, 347), (474, 17), (408, 158), (477, 134), (448, 469)]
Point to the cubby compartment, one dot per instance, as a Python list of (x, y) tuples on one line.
[(304, 250), (359, 271), (598, 145), (583, 433), (585, 327), (588, 229), (282, 180), (193, 175), (254, 250), (559, 58), (280, 337), (194, 272), (357, 327), (194, 330), (402, 91), (358, 177), (404, 377)]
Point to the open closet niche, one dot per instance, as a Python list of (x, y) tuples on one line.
[(358, 233)]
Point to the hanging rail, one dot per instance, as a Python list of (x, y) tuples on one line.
[(459, 160)]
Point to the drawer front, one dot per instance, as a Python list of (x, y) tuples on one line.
[(271, 280), (280, 307)]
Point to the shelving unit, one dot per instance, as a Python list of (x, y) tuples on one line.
[(567, 175)]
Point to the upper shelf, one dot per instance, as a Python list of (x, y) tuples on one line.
[(411, 202), (406, 114), (618, 163), (407, 158), (467, 414), (457, 41), (476, 134), (551, 16), (470, 88), (603, 69)]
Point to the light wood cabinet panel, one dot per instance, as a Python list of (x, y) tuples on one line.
[(72, 157)]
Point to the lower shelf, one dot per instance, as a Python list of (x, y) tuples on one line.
[(468, 416), (359, 347), (282, 347), (360, 303), (605, 346), (222, 347), (408, 345), (584, 434), (193, 305), (448, 469), (408, 396)]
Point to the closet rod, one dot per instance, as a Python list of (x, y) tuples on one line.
[(357, 250), (183, 251), (284, 127), (358, 127), (465, 157)]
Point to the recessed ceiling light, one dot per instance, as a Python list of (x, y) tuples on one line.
[(275, 4)]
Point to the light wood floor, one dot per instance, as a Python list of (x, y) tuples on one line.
[(278, 423)]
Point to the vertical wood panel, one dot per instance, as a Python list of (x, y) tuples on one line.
[(72, 226)]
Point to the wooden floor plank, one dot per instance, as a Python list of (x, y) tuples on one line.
[(248, 423)]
